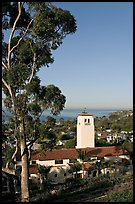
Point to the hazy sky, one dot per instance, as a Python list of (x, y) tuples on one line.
[(94, 67)]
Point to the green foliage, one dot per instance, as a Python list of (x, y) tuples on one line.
[(75, 167), (124, 196), (39, 30), (44, 170), (33, 31), (101, 142), (51, 122), (65, 137), (82, 155), (70, 143), (128, 145), (30, 49), (117, 121), (102, 123)]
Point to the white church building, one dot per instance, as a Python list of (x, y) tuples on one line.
[(59, 159)]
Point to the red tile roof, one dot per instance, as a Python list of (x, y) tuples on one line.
[(73, 153), (55, 154), (33, 169), (85, 114), (87, 166)]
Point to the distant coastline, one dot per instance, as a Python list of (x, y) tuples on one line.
[(71, 114)]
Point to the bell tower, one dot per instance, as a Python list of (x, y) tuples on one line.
[(85, 130)]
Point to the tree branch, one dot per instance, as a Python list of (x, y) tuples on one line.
[(31, 142), (8, 87), (13, 156), (12, 32), (9, 171), (33, 67), (4, 65), (22, 36)]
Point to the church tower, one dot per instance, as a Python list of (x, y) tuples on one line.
[(85, 130)]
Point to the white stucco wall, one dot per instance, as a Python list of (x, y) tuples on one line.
[(52, 163), (85, 132)]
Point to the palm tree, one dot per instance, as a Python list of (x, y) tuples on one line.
[(103, 166), (97, 167), (82, 155), (109, 165), (128, 146), (43, 173), (75, 167)]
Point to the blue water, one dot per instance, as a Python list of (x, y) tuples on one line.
[(71, 114)]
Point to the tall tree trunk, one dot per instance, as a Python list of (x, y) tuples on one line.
[(24, 160)]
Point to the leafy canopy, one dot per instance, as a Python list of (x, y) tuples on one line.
[(31, 31), (37, 29)]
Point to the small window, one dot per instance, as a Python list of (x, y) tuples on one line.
[(55, 175), (88, 120), (65, 174), (85, 120), (59, 161), (33, 162)]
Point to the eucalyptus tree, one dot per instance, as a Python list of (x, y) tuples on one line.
[(30, 33)]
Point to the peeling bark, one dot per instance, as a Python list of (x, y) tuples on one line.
[(24, 160)]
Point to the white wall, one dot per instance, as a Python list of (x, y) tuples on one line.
[(85, 132)]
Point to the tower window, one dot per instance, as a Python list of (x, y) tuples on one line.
[(87, 121)]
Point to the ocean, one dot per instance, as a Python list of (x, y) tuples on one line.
[(71, 114)]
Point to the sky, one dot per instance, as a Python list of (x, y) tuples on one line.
[(93, 67)]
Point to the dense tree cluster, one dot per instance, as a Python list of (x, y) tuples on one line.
[(120, 120)]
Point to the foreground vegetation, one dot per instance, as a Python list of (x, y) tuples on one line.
[(114, 189), (123, 195)]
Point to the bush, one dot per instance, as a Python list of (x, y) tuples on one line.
[(124, 196)]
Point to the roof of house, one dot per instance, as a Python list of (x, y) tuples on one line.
[(87, 166), (54, 154), (33, 169)]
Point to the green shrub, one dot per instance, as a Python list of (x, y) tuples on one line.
[(124, 196)]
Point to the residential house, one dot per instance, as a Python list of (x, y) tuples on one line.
[(59, 160), (10, 182)]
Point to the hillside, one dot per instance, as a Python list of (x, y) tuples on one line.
[(117, 189)]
